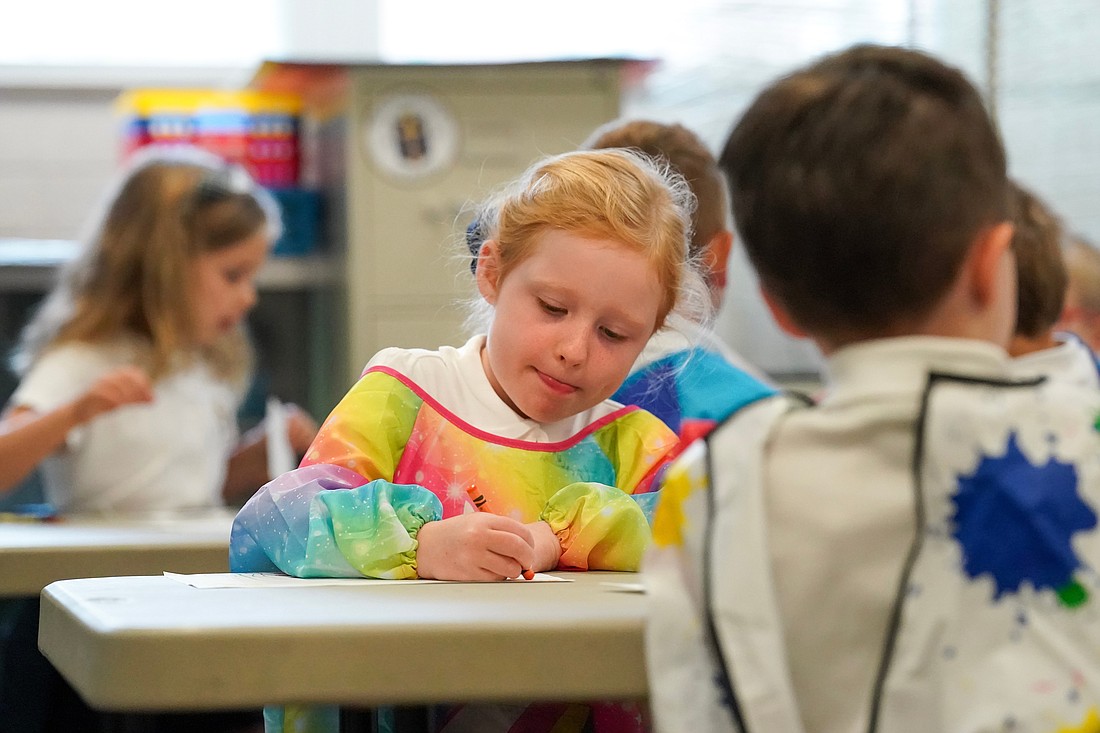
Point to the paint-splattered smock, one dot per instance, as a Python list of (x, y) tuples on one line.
[(918, 552)]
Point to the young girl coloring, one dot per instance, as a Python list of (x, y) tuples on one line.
[(503, 455), (151, 311)]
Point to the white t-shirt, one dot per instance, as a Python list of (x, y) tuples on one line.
[(456, 378), (168, 454)]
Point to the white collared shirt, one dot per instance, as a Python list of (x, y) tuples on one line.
[(456, 378)]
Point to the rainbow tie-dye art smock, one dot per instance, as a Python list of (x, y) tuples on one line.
[(990, 620), (418, 439)]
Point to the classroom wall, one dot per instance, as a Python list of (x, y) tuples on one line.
[(1033, 59), (57, 151)]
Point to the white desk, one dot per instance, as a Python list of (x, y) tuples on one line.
[(35, 554), (151, 643)]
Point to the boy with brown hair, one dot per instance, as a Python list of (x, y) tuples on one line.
[(711, 236), (916, 551), (1037, 347), (686, 375)]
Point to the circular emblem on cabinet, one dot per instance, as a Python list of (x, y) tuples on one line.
[(412, 136)]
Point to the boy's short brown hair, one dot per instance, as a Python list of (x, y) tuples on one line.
[(859, 184), (1040, 265), (688, 156)]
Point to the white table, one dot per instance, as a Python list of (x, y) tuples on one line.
[(35, 554), (152, 643)]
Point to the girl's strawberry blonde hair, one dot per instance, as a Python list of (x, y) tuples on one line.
[(614, 194), (130, 279)]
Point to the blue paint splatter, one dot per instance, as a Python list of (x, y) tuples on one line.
[(1015, 521)]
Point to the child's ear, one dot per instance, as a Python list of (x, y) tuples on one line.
[(716, 258), (988, 262), (488, 271), (781, 316)]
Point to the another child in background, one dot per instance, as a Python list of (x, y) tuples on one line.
[(686, 375), (505, 454), (1081, 313), (133, 370), (916, 552), (151, 312), (1038, 349)]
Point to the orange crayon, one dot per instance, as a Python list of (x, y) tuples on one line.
[(476, 497)]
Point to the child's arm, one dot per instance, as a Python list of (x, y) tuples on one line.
[(339, 514), (323, 520), (328, 521), (27, 436), (597, 527), (602, 527), (247, 468)]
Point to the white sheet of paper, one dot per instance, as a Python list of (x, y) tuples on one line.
[(280, 455), (278, 580)]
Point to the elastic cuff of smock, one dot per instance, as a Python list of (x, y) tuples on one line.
[(376, 525), (599, 527)]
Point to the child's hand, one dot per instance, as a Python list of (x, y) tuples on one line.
[(547, 547), (122, 386), (478, 546), (301, 429)]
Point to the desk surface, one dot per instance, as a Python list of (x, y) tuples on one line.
[(35, 554), (152, 643)]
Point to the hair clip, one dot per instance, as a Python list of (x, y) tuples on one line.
[(222, 183), (475, 237)]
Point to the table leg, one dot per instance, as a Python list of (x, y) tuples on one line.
[(126, 723), (356, 720), (408, 719), (412, 719)]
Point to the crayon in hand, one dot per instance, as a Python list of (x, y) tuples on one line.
[(476, 497), (478, 500)]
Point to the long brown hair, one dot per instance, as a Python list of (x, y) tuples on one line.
[(130, 279)]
